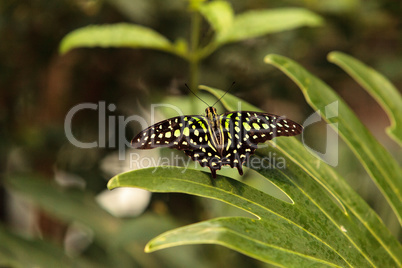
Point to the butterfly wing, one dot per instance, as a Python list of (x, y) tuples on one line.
[(172, 133), (244, 130), (190, 134)]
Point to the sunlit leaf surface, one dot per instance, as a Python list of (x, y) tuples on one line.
[(119, 35)]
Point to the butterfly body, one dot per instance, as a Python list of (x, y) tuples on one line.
[(216, 140)]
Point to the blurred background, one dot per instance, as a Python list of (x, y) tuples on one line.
[(56, 200)]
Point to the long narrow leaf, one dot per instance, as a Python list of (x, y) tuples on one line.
[(261, 22), (377, 86), (263, 240), (380, 165), (229, 28), (119, 35)]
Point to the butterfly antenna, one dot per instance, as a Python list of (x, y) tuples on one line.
[(196, 95), (231, 86)]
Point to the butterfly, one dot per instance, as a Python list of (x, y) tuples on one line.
[(217, 140)]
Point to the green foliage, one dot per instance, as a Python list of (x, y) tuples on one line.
[(383, 169), (228, 28), (252, 24), (284, 243), (117, 237), (325, 224), (326, 213), (378, 86), (119, 35)]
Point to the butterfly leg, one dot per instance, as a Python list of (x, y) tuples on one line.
[(213, 172), (240, 168)]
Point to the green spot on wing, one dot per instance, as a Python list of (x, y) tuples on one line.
[(227, 124), (256, 126), (246, 126)]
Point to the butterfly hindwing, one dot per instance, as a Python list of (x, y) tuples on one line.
[(203, 150)]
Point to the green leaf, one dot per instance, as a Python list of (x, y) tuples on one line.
[(377, 86), (219, 14), (244, 238), (282, 230), (380, 165), (261, 22), (119, 35), (363, 226), (250, 237)]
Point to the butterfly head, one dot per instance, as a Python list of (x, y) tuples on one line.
[(210, 110), (211, 113)]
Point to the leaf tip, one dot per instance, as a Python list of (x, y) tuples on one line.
[(148, 248), (270, 58), (67, 43), (154, 244), (113, 183), (331, 57), (62, 47), (62, 50)]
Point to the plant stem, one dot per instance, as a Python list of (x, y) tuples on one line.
[(194, 59)]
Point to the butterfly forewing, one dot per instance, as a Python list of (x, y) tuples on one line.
[(190, 134), (167, 133)]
